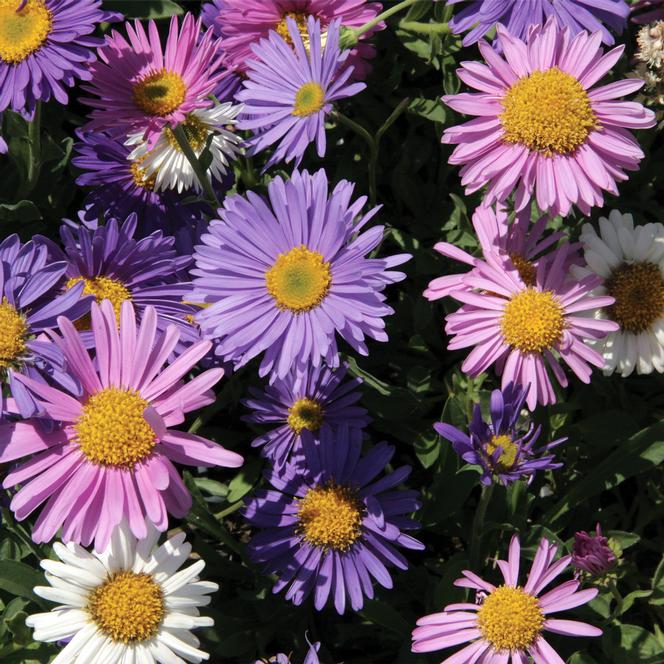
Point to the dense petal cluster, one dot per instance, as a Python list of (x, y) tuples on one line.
[(592, 553)]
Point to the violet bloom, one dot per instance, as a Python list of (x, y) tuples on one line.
[(592, 553), (310, 658), (505, 446)]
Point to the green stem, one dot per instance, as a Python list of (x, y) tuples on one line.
[(189, 153), (478, 525), (358, 32), (426, 28), (34, 154), (229, 510), (618, 597)]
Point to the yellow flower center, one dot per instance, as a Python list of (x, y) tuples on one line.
[(527, 271), (309, 99), (299, 280), (305, 414), (330, 517), (533, 321), (13, 333), (103, 288), (509, 450), (159, 93), (301, 19), (510, 619), (140, 175), (195, 130), (639, 293), (112, 431), (549, 112), (22, 32), (128, 608)]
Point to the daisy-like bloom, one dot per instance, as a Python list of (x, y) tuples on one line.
[(284, 275), (592, 553), (480, 16), (128, 603), (330, 524), (303, 404), (110, 454), (509, 620), (630, 262), (543, 128), (242, 23), (504, 447), (521, 244), (204, 128), (45, 46), (527, 329), (138, 86), (290, 90)]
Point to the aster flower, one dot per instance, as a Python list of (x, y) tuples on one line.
[(303, 404), (310, 658), (542, 127), (129, 603), (629, 261), (242, 23), (45, 46), (330, 525), (95, 468), (592, 553), (205, 129), (527, 329), (290, 90), (510, 619), (138, 86), (284, 275), (504, 447)]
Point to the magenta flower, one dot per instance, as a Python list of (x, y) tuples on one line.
[(508, 621), (592, 553), (110, 454), (542, 128)]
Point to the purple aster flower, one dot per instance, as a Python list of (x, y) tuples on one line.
[(330, 525), (303, 404), (30, 303), (284, 275), (504, 447), (289, 90), (310, 658), (592, 553), (45, 46)]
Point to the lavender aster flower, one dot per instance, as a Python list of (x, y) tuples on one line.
[(302, 405), (310, 658), (592, 553), (283, 275), (330, 526), (505, 447)]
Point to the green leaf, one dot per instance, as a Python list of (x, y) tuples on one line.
[(245, 480), (626, 644), (144, 8), (431, 109), (22, 211), (20, 579)]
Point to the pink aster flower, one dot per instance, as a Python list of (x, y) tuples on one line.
[(592, 553), (509, 620), (137, 85), (543, 128), (110, 454), (525, 330)]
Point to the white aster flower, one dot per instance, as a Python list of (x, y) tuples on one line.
[(631, 261), (167, 162), (127, 605)]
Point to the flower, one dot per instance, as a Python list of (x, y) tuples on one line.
[(45, 46), (542, 126), (126, 603), (503, 448), (480, 16), (242, 23), (330, 524), (519, 244), (303, 404), (629, 261), (283, 275), (289, 90), (94, 468), (310, 658), (510, 619), (592, 553), (650, 41), (30, 303), (204, 129), (140, 87), (524, 329)]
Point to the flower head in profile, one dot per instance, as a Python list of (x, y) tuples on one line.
[(310, 658), (303, 404), (110, 454), (504, 447), (542, 127), (290, 89), (284, 275), (510, 619), (130, 602), (592, 553), (45, 46), (330, 524)]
